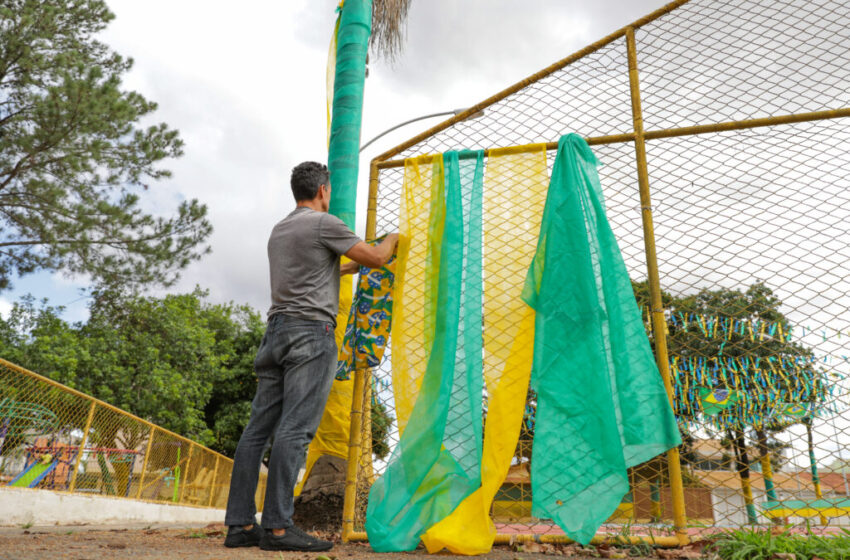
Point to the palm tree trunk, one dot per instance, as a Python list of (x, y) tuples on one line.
[(767, 471), (742, 464), (355, 26), (813, 465), (766, 467)]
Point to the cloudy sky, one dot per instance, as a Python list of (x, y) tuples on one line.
[(246, 88)]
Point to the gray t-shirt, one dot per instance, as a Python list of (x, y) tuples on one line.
[(304, 250)]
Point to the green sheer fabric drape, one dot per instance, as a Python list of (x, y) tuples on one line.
[(601, 403)]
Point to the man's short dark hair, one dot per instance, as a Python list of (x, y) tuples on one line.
[(306, 179)]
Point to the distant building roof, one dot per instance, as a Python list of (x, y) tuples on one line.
[(786, 481)]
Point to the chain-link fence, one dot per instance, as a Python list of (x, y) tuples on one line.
[(56, 438), (733, 116)]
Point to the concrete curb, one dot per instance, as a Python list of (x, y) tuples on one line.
[(24, 506)]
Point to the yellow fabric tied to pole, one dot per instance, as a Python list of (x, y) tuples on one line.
[(330, 76), (412, 319), (514, 196), (332, 435)]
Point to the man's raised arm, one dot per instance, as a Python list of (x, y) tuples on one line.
[(373, 257)]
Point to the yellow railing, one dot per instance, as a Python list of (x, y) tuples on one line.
[(54, 437)]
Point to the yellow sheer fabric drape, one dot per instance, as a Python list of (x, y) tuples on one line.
[(413, 327), (330, 77), (514, 196)]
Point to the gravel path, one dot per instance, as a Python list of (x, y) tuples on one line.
[(169, 542)]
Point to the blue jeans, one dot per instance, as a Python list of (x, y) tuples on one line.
[(295, 368)]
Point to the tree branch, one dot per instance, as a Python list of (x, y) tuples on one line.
[(115, 243)]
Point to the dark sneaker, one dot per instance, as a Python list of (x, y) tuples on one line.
[(294, 539), (238, 537)]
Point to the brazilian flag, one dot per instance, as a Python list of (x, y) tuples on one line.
[(793, 410), (717, 399)]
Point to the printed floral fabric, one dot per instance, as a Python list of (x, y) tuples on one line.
[(369, 320)]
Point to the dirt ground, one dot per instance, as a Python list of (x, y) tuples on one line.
[(90, 543)]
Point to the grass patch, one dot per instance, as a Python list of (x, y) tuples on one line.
[(762, 545), (197, 535)]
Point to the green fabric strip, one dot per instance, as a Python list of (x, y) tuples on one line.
[(464, 427), (601, 403), (355, 26), (430, 471)]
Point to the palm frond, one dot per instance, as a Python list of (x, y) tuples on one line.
[(389, 27)]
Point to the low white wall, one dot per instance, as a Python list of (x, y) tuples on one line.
[(24, 506)]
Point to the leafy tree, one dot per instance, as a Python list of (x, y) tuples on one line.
[(159, 358), (382, 420), (741, 317), (229, 407), (73, 158), (176, 361), (757, 304)]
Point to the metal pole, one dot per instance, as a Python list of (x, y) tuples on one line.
[(355, 436), (73, 483), (354, 450), (673, 132), (372, 208), (658, 322), (145, 463), (407, 122), (186, 476), (212, 484)]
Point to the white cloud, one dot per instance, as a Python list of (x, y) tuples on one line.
[(246, 88)]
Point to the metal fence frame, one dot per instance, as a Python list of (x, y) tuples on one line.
[(359, 410)]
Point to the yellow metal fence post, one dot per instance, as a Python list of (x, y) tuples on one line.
[(186, 476), (212, 484), (372, 208), (73, 484), (355, 437), (354, 450), (145, 463), (657, 312)]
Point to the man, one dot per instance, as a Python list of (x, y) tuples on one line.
[(296, 360)]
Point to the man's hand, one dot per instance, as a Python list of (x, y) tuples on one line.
[(349, 267), (373, 257)]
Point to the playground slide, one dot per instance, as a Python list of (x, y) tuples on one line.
[(33, 475)]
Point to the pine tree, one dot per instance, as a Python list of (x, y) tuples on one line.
[(74, 159)]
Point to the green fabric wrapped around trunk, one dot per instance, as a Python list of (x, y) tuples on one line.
[(601, 403), (352, 43)]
